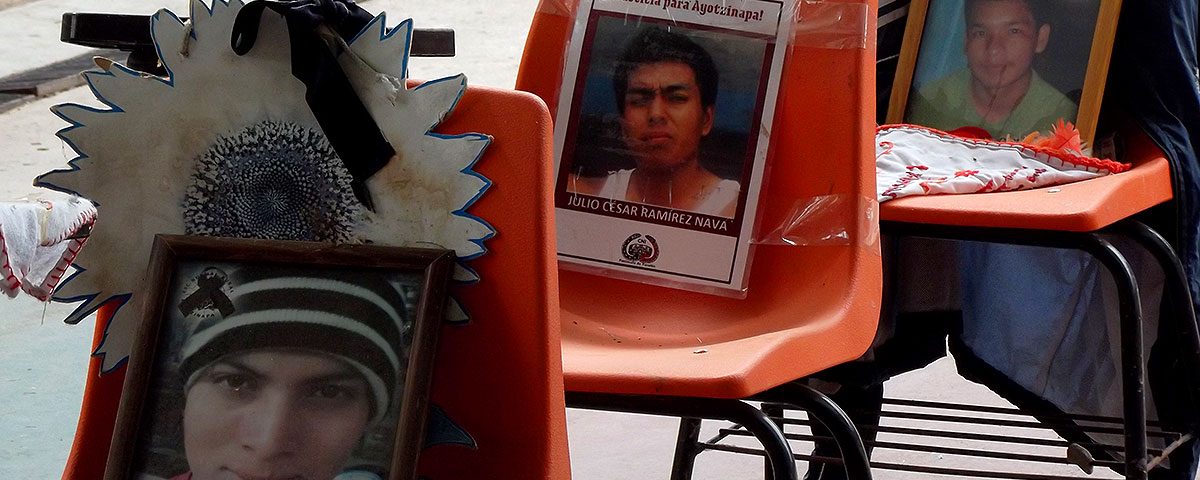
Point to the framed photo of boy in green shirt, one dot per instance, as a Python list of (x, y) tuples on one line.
[(1010, 67)]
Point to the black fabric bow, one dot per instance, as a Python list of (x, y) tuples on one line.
[(347, 124)]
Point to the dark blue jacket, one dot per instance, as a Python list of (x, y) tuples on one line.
[(1155, 79)]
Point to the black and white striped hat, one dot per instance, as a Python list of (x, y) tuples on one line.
[(357, 317)]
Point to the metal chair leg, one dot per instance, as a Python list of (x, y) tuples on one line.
[(686, 449), (1177, 285), (1133, 377), (778, 452), (772, 411), (1184, 327), (821, 408)]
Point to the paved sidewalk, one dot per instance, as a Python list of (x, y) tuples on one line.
[(31, 30)]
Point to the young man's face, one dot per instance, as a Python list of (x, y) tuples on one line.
[(274, 415), (1002, 39), (664, 119)]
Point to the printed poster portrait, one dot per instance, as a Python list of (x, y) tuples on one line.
[(248, 369), (1010, 67), (660, 143), (665, 115)]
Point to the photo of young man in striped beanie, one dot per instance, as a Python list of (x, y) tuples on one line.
[(284, 370)]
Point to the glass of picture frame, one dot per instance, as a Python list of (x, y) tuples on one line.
[(1011, 67), (279, 359)]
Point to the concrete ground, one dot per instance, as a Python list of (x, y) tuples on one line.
[(44, 360)]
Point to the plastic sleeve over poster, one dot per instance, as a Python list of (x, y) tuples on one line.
[(662, 133), (821, 221)]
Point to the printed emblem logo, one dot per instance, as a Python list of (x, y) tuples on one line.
[(642, 249)]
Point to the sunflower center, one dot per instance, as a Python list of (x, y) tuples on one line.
[(272, 180)]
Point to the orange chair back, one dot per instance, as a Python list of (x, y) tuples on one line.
[(499, 376), (808, 307)]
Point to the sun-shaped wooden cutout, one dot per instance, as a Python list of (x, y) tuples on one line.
[(226, 145)]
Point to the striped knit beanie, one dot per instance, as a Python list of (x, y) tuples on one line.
[(356, 317)]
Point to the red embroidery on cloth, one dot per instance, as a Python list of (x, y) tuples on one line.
[(900, 184), (887, 148), (1008, 177), (64, 262), (6, 269), (83, 219)]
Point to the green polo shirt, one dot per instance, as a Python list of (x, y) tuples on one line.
[(946, 104)]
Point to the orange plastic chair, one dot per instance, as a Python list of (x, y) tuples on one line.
[(635, 347), (511, 346), (1075, 216)]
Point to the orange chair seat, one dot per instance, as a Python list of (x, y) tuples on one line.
[(1076, 207), (800, 317)]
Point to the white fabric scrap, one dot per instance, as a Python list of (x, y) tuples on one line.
[(37, 243), (912, 160)]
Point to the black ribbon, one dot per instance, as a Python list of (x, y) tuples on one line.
[(338, 110), (208, 294)]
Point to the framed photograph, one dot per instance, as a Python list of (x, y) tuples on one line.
[(661, 136), (1011, 67), (276, 359)]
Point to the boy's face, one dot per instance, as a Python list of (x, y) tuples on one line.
[(274, 415), (664, 119), (1001, 41)]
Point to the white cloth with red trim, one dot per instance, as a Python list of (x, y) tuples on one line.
[(914, 160), (38, 242)]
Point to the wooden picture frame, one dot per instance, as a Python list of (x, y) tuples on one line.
[(929, 48), (329, 334)]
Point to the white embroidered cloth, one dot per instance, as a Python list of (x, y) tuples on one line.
[(914, 160), (37, 243)]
